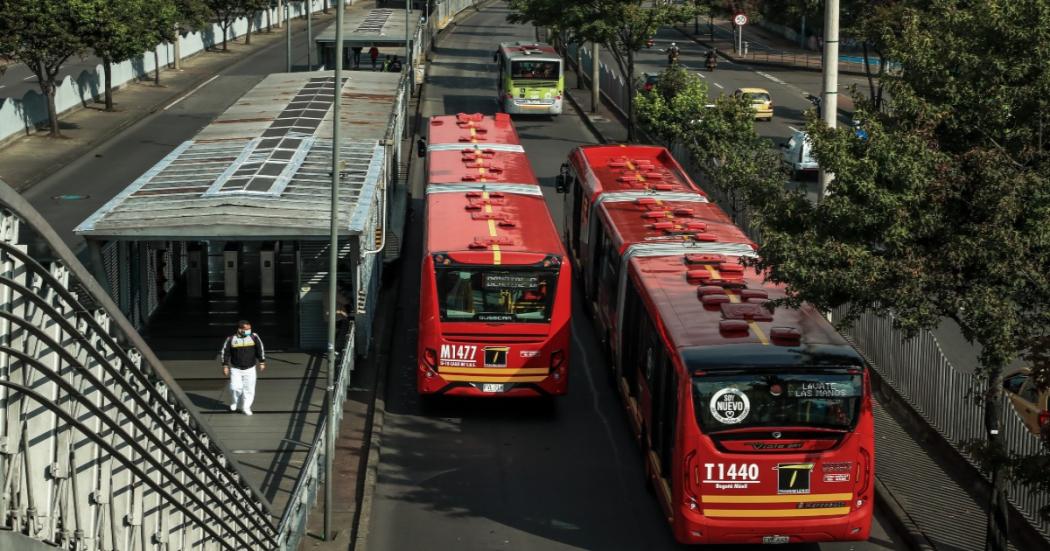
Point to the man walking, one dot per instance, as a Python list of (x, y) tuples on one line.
[(240, 354), (357, 56)]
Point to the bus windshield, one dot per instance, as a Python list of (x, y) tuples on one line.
[(484, 294), (758, 399), (534, 70)]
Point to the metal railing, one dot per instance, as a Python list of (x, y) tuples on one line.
[(98, 449), (292, 525), (919, 371)]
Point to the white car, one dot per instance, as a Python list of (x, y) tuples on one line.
[(798, 155)]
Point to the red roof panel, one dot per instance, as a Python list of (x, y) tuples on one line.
[(466, 128), (612, 168), (469, 165)]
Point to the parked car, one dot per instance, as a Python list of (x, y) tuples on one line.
[(1029, 402), (760, 100), (798, 155)]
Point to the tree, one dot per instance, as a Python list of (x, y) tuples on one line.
[(622, 26), (942, 212), (43, 35), (226, 13), (161, 19), (719, 135), (249, 8), (116, 31), (191, 15)]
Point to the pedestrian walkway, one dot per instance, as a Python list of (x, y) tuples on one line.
[(34, 156), (932, 504), (765, 47)]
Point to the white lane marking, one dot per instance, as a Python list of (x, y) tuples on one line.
[(3, 86), (699, 74), (190, 93), (720, 87), (28, 78), (793, 129), (771, 77)]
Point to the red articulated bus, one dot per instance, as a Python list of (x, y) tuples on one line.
[(756, 426), (495, 291)]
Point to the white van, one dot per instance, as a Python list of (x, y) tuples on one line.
[(798, 155)]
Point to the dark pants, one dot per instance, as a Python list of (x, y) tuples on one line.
[(357, 57)]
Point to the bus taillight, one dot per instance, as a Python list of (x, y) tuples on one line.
[(430, 361), (557, 359)]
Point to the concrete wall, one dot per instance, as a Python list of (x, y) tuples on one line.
[(22, 115)]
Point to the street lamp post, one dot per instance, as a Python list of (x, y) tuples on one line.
[(309, 35), (288, 33), (830, 100), (408, 42), (333, 268)]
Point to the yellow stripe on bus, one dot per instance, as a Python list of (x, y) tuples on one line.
[(494, 370), (792, 498), (769, 513), (484, 379), (497, 255), (735, 298)]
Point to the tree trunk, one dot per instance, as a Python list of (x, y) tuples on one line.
[(324, 6), (248, 35), (225, 33), (997, 530), (630, 95), (280, 7), (269, 21), (156, 64), (47, 86), (107, 70)]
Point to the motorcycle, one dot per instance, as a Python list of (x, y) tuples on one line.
[(711, 63), (649, 43)]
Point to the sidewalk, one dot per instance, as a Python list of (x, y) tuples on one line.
[(767, 48), (27, 160), (930, 499)]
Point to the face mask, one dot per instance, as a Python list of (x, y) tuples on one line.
[(246, 332)]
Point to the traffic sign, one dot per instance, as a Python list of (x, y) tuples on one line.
[(740, 20)]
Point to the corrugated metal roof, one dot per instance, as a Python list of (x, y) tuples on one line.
[(380, 26), (262, 169)]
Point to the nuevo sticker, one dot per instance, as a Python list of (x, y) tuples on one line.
[(730, 406)]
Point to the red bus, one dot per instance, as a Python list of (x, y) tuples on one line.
[(756, 426), (495, 290)]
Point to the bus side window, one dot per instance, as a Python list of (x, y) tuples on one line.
[(635, 332), (594, 269), (667, 390)]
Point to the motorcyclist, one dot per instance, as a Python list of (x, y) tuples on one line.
[(712, 60), (672, 54)]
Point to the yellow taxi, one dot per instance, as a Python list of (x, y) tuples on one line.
[(761, 101), (1028, 400)]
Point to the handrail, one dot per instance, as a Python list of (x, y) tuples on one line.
[(14, 202)]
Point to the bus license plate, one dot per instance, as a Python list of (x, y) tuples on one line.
[(492, 387), (775, 539)]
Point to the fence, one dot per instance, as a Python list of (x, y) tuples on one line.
[(446, 10), (98, 449), (26, 113), (919, 371), (292, 525)]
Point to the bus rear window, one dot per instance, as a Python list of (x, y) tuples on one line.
[(535, 70), (764, 399), (487, 295)]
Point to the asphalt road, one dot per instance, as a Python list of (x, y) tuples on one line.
[(109, 168), (481, 475)]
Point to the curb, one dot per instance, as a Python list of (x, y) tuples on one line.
[(107, 135), (899, 518)]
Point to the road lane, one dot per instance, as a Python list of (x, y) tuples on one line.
[(489, 474)]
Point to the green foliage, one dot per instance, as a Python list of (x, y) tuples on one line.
[(719, 135), (944, 211), (226, 13), (43, 34), (192, 15), (117, 30)]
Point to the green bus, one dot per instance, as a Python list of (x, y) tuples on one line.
[(531, 78)]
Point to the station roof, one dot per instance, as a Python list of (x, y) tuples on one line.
[(379, 26), (700, 310), (649, 219), (629, 168), (262, 169), (474, 220), (475, 128)]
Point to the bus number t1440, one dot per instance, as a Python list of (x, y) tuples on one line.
[(720, 472)]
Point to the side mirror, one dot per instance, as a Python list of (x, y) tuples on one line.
[(421, 148)]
